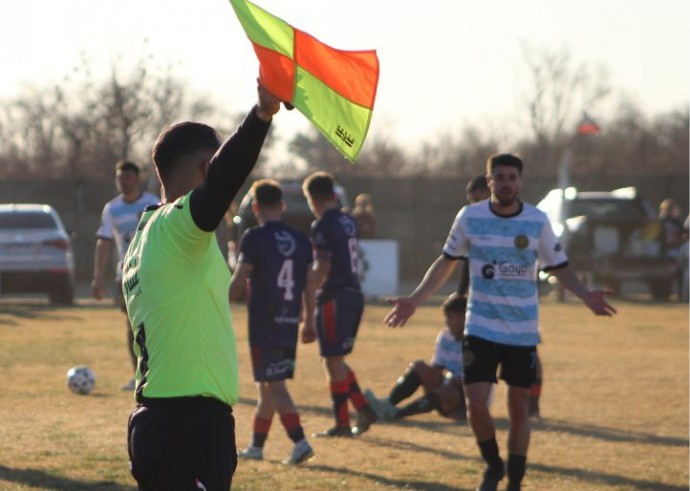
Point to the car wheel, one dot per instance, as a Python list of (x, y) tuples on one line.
[(660, 289)]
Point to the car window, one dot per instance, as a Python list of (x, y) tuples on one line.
[(605, 208), (34, 220)]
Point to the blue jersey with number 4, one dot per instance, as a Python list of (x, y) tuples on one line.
[(335, 237), (281, 257)]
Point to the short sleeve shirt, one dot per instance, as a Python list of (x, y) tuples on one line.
[(334, 236), (281, 257), (448, 353), (175, 284), (119, 221), (504, 255)]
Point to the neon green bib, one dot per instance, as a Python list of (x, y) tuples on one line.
[(175, 284)]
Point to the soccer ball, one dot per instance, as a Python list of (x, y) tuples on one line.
[(80, 379)]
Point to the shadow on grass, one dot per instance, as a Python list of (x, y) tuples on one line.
[(607, 434), (396, 483), (34, 309), (44, 480), (582, 475)]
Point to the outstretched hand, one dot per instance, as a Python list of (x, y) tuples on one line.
[(596, 301), (403, 308)]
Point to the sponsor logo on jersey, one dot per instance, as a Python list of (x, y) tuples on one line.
[(285, 242), (504, 270)]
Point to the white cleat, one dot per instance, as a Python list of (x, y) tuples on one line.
[(252, 453), (301, 453)]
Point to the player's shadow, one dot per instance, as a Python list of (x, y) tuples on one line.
[(382, 480), (43, 480), (11, 314), (607, 434)]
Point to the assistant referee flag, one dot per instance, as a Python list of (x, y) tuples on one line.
[(334, 89)]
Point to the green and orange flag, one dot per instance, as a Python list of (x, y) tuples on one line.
[(334, 89)]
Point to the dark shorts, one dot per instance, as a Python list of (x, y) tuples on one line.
[(338, 315), (175, 443), (273, 364), (482, 358)]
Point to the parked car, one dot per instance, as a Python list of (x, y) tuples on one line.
[(35, 252), (611, 237)]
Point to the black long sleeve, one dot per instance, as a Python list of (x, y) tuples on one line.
[(229, 168)]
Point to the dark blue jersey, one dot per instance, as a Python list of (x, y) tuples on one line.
[(334, 236), (281, 257)]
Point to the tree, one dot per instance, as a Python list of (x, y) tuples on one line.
[(83, 125), (559, 90)]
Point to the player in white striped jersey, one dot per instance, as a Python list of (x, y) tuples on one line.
[(505, 241), (119, 222)]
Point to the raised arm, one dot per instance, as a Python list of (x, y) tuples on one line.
[(232, 164)]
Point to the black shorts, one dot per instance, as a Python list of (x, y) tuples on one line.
[(177, 443), (338, 315), (481, 358), (273, 364)]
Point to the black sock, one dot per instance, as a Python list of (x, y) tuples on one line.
[(489, 451), (404, 387), (420, 406), (516, 468)]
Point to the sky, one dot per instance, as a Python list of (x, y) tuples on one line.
[(444, 63)]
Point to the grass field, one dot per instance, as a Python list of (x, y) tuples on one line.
[(614, 406)]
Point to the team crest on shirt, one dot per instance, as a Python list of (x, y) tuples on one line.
[(348, 225), (521, 241), (285, 242)]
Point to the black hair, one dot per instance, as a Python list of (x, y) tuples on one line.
[(127, 166), (319, 186), (180, 140), (267, 192), (503, 159), (455, 303), (477, 183)]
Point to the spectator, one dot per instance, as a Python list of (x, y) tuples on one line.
[(363, 212)]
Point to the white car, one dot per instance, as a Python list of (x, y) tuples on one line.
[(35, 252)]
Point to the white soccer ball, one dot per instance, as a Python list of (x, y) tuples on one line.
[(80, 379)]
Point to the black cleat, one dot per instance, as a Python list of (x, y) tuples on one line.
[(492, 476), (365, 418), (335, 432)]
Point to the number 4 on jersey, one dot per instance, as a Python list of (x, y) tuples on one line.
[(286, 280)]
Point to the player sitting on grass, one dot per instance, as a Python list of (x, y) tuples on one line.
[(442, 380)]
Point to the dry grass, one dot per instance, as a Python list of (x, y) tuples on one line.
[(615, 406)]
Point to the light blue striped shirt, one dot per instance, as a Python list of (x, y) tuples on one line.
[(504, 255)]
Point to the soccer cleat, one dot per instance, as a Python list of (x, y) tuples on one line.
[(252, 453), (492, 476), (301, 453), (335, 432), (131, 385), (513, 487), (365, 418)]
